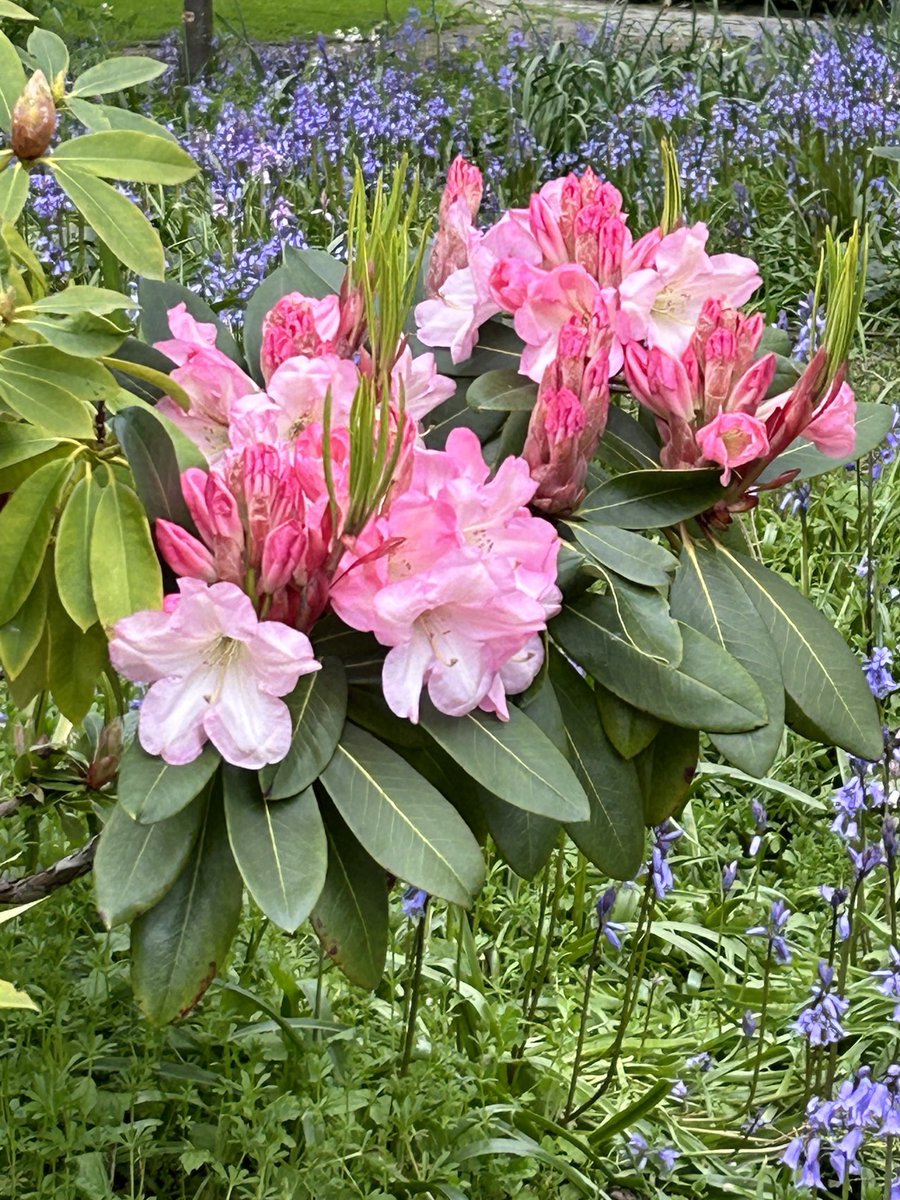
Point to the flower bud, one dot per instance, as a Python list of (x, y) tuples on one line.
[(33, 119), (187, 556), (283, 552)]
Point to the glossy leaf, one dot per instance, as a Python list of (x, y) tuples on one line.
[(154, 465), (503, 391), (128, 156), (20, 636), (115, 220), (318, 706), (52, 390), (179, 946), (613, 837), (135, 865), (151, 790), (651, 499), (403, 822), (821, 674), (26, 522), (13, 191), (645, 621), (23, 443), (76, 660), (514, 759), (707, 597), (350, 916), (83, 334), (626, 445), (79, 299), (628, 554), (157, 298), (72, 555), (121, 538), (116, 74), (499, 347), (525, 839), (873, 423), (279, 846), (629, 729), (454, 413), (667, 770), (14, 12), (708, 689)]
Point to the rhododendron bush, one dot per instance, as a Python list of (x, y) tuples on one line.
[(447, 547)]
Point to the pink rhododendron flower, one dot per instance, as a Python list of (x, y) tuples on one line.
[(212, 381), (833, 427), (457, 579), (217, 674), (552, 300), (418, 382), (732, 439), (298, 325), (295, 399), (459, 207), (663, 301)]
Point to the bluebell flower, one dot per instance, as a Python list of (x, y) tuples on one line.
[(796, 498), (664, 1158), (748, 1024), (413, 902), (890, 979), (877, 668), (865, 861), (609, 929), (820, 1023), (778, 918), (729, 875), (665, 837), (760, 821), (889, 838)]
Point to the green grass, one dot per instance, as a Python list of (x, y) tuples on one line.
[(127, 21)]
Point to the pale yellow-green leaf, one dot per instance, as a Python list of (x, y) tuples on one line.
[(11, 997)]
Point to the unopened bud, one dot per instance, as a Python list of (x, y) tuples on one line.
[(33, 119), (7, 305)]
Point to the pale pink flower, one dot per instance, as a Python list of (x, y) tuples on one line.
[(732, 439), (212, 381), (217, 674), (298, 325), (833, 427), (552, 300), (418, 382), (662, 302), (295, 399)]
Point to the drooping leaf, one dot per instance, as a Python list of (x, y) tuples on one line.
[(644, 619), (503, 391), (279, 846), (667, 769), (52, 390), (350, 916), (76, 659), (12, 80), (513, 759), (22, 444), (821, 675), (25, 525), (180, 944), (628, 554), (318, 706), (121, 538), (135, 865), (20, 636), (613, 836), (151, 790), (313, 273), (154, 465), (873, 423), (83, 334), (72, 555), (158, 298), (402, 821), (525, 839), (707, 597), (115, 220), (116, 74), (707, 690), (126, 155), (651, 499), (629, 729), (13, 191)]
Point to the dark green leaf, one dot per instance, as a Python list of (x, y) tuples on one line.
[(318, 706), (513, 759), (523, 838), (506, 391), (126, 155), (629, 729), (651, 499), (151, 790), (351, 914), (25, 525), (136, 864), (708, 690), (821, 675), (154, 465), (179, 946), (279, 847), (666, 770), (873, 422), (115, 220), (626, 445), (499, 348), (645, 621), (707, 597), (121, 538), (77, 658), (367, 707), (628, 554), (454, 413), (403, 822), (157, 298), (613, 837)]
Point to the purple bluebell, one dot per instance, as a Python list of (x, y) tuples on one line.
[(609, 929), (663, 1157), (760, 821), (820, 1023), (889, 838), (890, 979), (865, 861), (796, 498), (748, 1024), (665, 837), (413, 902), (729, 875), (877, 668), (778, 918)]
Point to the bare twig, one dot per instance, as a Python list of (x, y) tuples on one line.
[(42, 883)]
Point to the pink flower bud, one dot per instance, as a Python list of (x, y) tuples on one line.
[(298, 325), (833, 427), (464, 180), (752, 388), (282, 554), (33, 119), (184, 553), (546, 227)]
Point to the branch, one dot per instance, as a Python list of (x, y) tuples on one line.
[(36, 887), (8, 807)]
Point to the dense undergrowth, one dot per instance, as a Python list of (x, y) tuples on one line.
[(677, 1016)]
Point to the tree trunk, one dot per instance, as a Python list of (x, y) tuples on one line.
[(198, 32)]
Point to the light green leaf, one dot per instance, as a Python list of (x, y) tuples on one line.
[(152, 790), (651, 499), (13, 191), (98, 118), (318, 706), (613, 836), (181, 944), (73, 552), (821, 674), (126, 155), (115, 220), (12, 80), (125, 572), (628, 554), (25, 526), (708, 689), (707, 597), (504, 391), (78, 299), (351, 914), (279, 846), (80, 334), (21, 443), (514, 759), (401, 820), (135, 865), (20, 636), (50, 54), (14, 12), (52, 390), (11, 997), (117, 74)]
